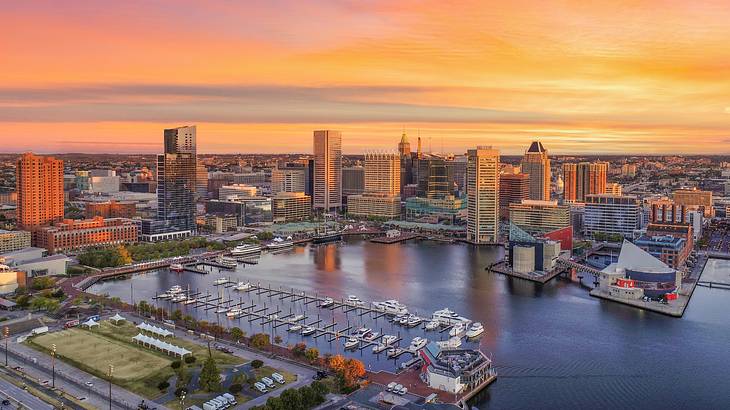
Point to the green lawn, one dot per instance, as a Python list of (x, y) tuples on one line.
[(267, 371)]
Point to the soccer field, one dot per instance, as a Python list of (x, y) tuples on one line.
[(97, 352)]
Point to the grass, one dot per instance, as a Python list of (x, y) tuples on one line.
[(136, 368), (175, 404), (267, 371)]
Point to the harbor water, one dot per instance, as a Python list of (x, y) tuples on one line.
[(553, 345)]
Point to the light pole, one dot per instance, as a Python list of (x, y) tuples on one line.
[(111, 372), (6, 334), (182, 400), (53, 365)]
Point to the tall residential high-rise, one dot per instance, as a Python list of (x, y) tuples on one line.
[(482, 180), (39, 184), (584, 178), (382, 187), (176, 172), (513, 189), (536, 164), (327, 170)]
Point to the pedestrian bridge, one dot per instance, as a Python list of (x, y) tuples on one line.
[(567, 263)]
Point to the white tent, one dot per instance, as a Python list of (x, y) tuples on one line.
[(117, 318), (154, 329), (168, 348), (90, 323)]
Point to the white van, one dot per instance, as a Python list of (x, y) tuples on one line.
[(268, 382), (260, 387), (279, 378)]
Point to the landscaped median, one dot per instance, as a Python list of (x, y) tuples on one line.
[(136, 368)]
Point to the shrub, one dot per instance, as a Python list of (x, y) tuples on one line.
[(163, 385), (235, 388), (180, 391), (257, 364), (176, 364), (190, 359)]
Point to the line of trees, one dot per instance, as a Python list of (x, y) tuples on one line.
[(113, 256), (302, 398)]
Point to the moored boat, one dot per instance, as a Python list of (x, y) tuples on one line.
[(245, 249), (242, 286), (475, 330), (457, 330), (327, 302), (177, 267), (308, 330), (392, 307), (351, 343)]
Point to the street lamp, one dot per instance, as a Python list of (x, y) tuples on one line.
[(182, 400), (53, 365), (111, 372), (6, 334)]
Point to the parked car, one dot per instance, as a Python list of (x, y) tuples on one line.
[(390, 386), (403, 390)]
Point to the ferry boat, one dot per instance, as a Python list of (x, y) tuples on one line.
[(418, 343), (448, 317), (351, 343), (475, 330), (433, 324), (378, 348), (308, 331), (245, 249), (220, 281), (388, 339), (452, 343), (242, 286), (234, 312), (279, 243), (177, 267), (457, 330), (327, 302), (354, 300), (228, 262), (392, 307), (295, 328)]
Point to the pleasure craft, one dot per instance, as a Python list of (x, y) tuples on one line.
[(362, 332), (295, 328), (414, 321), (280, 244), (234, 312), (433, 324), (308, 331), (220, 281), (452, 343), (190, 301), (371, 336), (392, 307), (418, 343), (379, 347), (394, 352), (355, 301), (221, 309), (457, 330), (178, 298), (351, 343), (242, 286), (176, 267), (448, 317), (164, 295), (175, 289), (245, 249), (327, 302), (297, 318), (475, 330), (388, 339)]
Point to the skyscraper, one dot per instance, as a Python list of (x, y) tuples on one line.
[(406, 162), (584, 178), (513, 189), (176, 172), (39, 184), (404, 147), (382, 187), (201, 180), (536, 164), (327, 170), (482, 180)]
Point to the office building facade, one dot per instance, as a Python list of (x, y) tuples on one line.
[(75, 235), (513, 189), (611, 214), (482, 180), (539, 217), (536, 164), (291, 206), (288, 180), (584, 178), (327, 170)]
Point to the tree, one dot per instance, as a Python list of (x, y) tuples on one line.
[(237, 334), (210, 378), (348, 371), (260, 341), (176, 315), (235, 388), (190, 359), (256, 363), (312, 354), (277, 339), (176, 364), (275, 403), (299, 349), (290, 399), (163, 385)]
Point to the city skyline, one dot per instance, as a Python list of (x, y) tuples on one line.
[(643, 78)]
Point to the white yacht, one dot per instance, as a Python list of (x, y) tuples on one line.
[(178, 298), (297, 318), (418, 343), (371, 336), (351, 343), (395, 351), (242, 286), (190, 301), (164, 295), (362, 332), (245, 249), (452, 343), (475, 330), (355, 301), (295, 328), (448, 317), (388, 339), (234, 312), (392, 307), (308, 331), (379, 347), (433, 324), (458, 330), (175, 289), (220, 281), (221, 309), (279, 243), (413, 321), (177, 267), (327, 302)]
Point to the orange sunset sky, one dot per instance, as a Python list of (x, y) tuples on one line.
[(258, 76)]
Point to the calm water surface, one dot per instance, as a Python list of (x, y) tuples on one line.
[(554, 346)]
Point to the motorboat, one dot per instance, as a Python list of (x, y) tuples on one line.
[(414, 321), (220, 281), (164, 295), (297, 318), (279, 243), (457, 330), (245, 249), (190, 301), (175, 289), (351, 343), (447, 317), (371, 336), (221, 309), (327, 302), (380, 347), (242, 286), (392, 307), (308, 330), (362, 332), (177, 267), (403, 320), (475, 330), (178, 298), (452, 343), (433, 324), (234, 312), (295, 328), (355, 301), (394, 352), (418, 343), (388, 339)]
